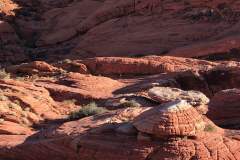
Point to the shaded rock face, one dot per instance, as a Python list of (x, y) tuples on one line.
[(224, 108), (176, 28), (188, 27), (10, 48), (223, 78)]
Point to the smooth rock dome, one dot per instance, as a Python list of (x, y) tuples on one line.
[(176, 118)]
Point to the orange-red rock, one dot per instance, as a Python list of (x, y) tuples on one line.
[(172, 119), (82, 87), (24, 103), (36, 67)]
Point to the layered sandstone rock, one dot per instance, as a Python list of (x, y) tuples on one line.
[(172, 119), (26, 104), (145, 65), (191, 136), (177, 28), (81, 87), (36, 67), (224, 108)]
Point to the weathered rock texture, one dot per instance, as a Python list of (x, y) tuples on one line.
[(174, 119), (26, 104), (100, 137), (77, 51), (167, 94), (224, 108), (133, 27)]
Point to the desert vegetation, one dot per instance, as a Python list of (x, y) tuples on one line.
[(87, 110)]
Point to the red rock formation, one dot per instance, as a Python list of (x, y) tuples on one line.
[(224, 108), (145, 65), (36, 67), (141, 125), (26, 104), (81, 87), (177, 28), (173, 119), (99, 137), (167, 94)]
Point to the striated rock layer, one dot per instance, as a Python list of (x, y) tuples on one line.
[(224, 108)]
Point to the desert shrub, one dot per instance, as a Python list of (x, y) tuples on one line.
[(3, 98), (4, 74), (209, 128), (70, 102), (14, 106), (20, 78), (131, 103), (87, 110), (67, 61)]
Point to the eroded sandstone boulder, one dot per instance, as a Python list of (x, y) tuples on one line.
[(167, 94), (224, 108), (172, 119), (36, 67)]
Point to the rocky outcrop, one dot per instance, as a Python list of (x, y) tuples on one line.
[(25, 104), (173, 130), (81, 87), (174, 119), (224, 108), (222, 78), (145, 65), (191, 27), (36, 67), (167, 94)]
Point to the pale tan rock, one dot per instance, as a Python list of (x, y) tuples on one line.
[(167, 94)]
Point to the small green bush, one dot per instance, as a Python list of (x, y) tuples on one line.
[(67, 61), (131, 103), (209, 128), (87, 110), (4, 74)]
